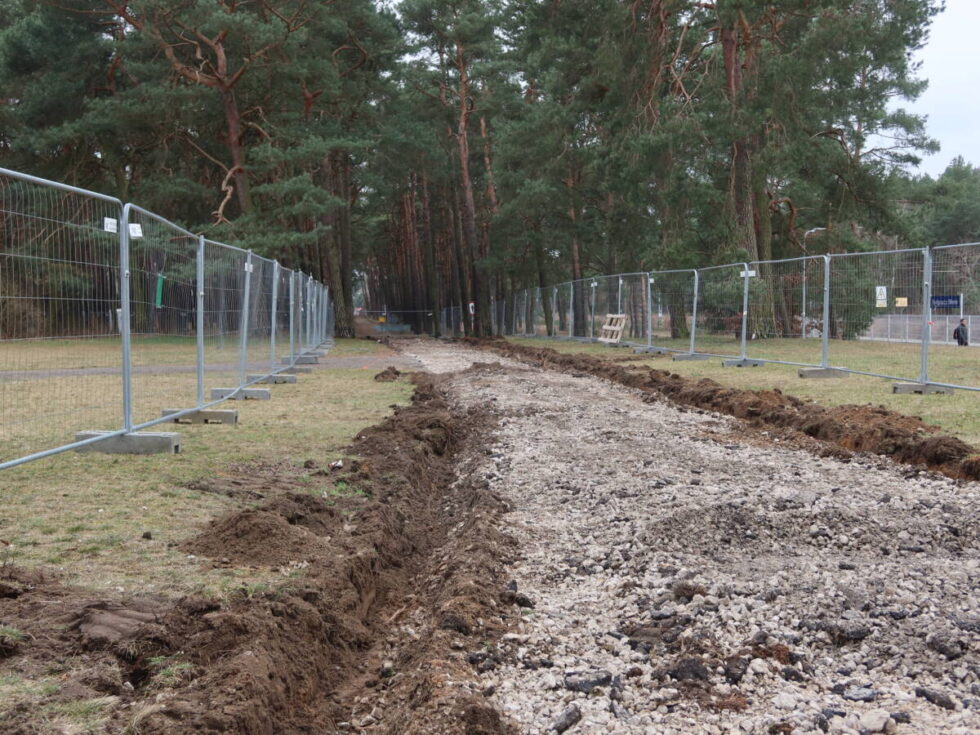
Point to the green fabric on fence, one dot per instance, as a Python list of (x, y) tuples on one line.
[(159, 303)]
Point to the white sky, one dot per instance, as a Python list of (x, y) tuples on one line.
[(951, 63)]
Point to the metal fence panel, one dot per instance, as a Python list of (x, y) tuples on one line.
[(60, 348), (672, 309), (162, 312), (720, 310), (111, 313), (540, 305), (259, 335), (864, 286), (633, 300), (786, 310), (224, 282), (955, 296), (282, 351)]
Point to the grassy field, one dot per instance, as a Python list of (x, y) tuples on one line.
[(957, 414), (85, 514), (50, 389)]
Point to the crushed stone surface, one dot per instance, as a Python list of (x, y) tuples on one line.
[(686, 583)]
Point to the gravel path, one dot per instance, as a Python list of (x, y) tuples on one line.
[(686, 582)]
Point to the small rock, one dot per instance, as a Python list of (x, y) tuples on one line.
[(937, 698), (860, 694), (567, 719), (586, 681), (848, 631), (148, 535), (735, 668), (791, 673), (784, 700), (387, 670), (875, 720), (902, 718), (522, 600), (946, 644), (689, 669), (620, 712)]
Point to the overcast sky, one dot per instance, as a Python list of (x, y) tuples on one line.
[(951, 63)]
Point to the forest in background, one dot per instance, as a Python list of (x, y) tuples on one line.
[(437, 152)]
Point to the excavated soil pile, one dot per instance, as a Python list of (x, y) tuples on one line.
[(389, 375), (363, 557), (851, 427)]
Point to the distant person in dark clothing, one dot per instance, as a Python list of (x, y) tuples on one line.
[(960, 335)]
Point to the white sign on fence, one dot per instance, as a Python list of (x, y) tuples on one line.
[(109, 224), (881, 297)]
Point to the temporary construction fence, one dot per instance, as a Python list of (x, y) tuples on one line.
[(110, 314), (886, 313)]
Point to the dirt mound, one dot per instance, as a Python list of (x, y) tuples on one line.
[(362, 553), (857, 428), (255, 537), (389, 375)]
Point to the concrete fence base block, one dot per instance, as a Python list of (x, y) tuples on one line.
[(316, 353), (306, 360), (241, 394), (650, 351), (922, 388), (271, 379), (821, 373), (297, 370), (684, 356), (137, 443), (204, 416), (741, 363)]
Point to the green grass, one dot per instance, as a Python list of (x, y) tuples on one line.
[(85, 514), (11, 633), (957, 414), (42, 407)]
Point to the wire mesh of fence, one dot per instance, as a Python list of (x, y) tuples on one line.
[(892, 314), (110, 314)]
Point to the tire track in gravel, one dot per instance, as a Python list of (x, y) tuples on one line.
[(684, 584)]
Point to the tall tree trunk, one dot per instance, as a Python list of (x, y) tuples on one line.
[(740, 200), (481, 281), (579, 290), (335, 252), (236, 148), (345, 194), (543, 285), (435, 298)]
